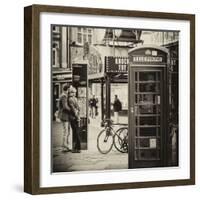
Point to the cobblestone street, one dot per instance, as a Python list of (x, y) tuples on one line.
[(90, 159)]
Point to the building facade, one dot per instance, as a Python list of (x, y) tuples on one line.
[(67, 47), (72, 44)]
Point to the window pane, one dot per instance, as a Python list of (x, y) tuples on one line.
[(149, 87), (152, 131), (84, 38), (142, 142), (53, 57), (55, 45), (149, 120), (147, 109), (90, 39), (79, 38), (150, 143), (149, 76), (152, 154), (147, 99)]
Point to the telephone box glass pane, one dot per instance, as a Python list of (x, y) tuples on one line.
[(149, 87), (149, 131), (147, 99), (154, 120), (149, 76), (149, 154), (147, 109)]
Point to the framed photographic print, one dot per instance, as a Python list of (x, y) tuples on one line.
[(109, 99)]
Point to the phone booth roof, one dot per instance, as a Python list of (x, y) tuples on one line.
[(148, 55)]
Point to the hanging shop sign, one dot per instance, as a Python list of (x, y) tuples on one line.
[(116, 64), (95, 64), (60, 77)]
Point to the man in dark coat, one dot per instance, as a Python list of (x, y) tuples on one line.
[(117, 106)]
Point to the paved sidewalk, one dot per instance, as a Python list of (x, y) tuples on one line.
[(87, 160)]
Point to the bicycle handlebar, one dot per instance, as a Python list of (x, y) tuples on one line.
[(108, 121), (111, 122)]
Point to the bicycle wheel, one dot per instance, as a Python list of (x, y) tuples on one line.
[(121, 140), (105, 141)]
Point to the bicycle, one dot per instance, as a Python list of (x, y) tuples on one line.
[(109, 137)]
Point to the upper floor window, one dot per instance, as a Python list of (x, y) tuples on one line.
[(56, 29), (84, 35), (55, 54)]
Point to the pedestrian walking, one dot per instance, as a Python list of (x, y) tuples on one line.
[(74, 119), (63, 115), (117, 106), (96, 107), (93, 106)]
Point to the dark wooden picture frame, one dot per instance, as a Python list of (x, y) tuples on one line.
[(32, 98)]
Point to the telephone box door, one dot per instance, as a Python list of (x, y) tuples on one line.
[(147, 117)]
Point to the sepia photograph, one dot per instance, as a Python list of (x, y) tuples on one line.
[(109, 99), (114, 98)]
